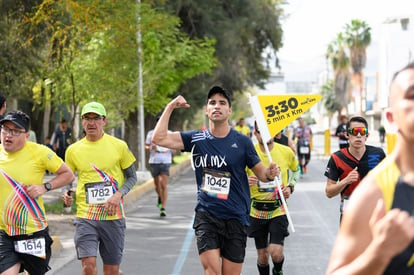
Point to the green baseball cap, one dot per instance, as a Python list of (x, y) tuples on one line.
[(93, 107)]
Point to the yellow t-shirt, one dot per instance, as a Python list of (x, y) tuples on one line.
[(21, 214), (245, 130), (99, 166), (386, 175), (284, 157)]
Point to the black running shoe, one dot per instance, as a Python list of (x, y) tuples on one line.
[(163, 213)]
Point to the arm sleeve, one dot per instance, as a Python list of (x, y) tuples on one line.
[(295, 176), (130, 180)]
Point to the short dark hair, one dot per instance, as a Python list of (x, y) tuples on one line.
[(357, 119), (219, 90)]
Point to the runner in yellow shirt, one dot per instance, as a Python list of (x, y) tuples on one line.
[(25, 243), (106, 173), (268, 221), (242, 128)]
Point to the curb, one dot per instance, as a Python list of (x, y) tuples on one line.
[(129, 199)]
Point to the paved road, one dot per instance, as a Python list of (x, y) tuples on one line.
[(165, 246)]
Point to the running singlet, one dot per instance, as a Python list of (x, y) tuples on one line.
[(397, 194), (342, 162), (161, 154), (219, 164), (100, 167), (304, 139), (284, 157), (19, 213)]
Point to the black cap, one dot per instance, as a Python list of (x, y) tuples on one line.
[(218, 90), (18, 118)]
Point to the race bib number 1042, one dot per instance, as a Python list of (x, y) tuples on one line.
[(216, 183)]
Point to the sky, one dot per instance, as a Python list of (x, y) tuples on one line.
[(312, 24)]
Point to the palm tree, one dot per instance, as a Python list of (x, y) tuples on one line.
[(329, 100), (358, 38), (340, 65)]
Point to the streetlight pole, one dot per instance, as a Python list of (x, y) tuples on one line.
[(141, 132)]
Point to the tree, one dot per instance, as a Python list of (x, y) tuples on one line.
[(340, 64), (329, 99), (245, 30), (92, 55), (358, 38), (18, 66)]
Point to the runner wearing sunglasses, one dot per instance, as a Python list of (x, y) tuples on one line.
[(348, 166), (377, 231)]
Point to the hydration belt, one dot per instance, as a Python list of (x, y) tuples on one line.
[(266, 205)]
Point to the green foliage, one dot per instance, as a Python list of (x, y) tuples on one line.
[(329, 99), (336, 52), (181, 157), (93, 53), (241, 107), (65, 53), (18, 66), (358, 38), (245, 30), (358, 34), (56, 207)]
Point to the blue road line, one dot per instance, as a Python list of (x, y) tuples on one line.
[(184, 249)]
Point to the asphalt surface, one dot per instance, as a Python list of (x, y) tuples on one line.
[(156, 245)]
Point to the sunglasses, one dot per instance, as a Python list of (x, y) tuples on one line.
[(361, 130)]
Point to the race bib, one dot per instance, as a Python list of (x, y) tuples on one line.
[(216, 183), (35, 247), (98, 192), (267, 185), (304, 149)]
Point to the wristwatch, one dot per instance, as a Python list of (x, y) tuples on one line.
[(48, 186)]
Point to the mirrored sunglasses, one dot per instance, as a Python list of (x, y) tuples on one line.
[(363, 131)]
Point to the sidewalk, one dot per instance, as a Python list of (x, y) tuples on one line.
[(61, 225)]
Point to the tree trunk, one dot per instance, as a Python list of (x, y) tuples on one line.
[(131, 134)]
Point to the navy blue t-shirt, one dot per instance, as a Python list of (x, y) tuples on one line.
[(219, 165)]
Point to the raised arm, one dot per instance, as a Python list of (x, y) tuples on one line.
[(161, 135)]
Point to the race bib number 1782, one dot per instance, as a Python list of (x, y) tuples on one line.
[(98, 192)]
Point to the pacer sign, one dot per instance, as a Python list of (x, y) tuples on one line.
[(275, 112)]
